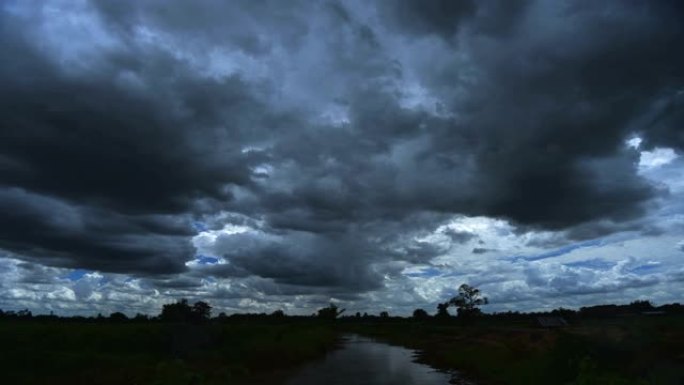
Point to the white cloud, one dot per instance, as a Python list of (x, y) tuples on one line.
[(656, 158)]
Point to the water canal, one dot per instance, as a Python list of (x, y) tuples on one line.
[(363, 361)]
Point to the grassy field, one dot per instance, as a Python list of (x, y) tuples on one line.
[(156, 353), (637, 350), (620, 351)]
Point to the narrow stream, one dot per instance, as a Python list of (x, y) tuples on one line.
[(365, 362)]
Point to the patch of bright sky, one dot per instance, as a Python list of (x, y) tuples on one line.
[(203, 260), (71, 30), (337, 115), (560, 251), (75, 275), (595, 263), (204, 243), (626, 264), (656, 158), (590, 272), (651, 159), (223, 63), (634, 142), (248, 149), (415, 96), (262, 170)]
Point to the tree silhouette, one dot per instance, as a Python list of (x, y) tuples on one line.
[(442, 310), (201, 311), (641, 305), (420, 314), (331, 312), (181, 311), (26, 313), (176, 312), (468, 300), (118, 317)]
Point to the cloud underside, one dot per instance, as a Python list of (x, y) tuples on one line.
[(335, 136)]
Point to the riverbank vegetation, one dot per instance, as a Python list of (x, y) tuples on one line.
[(633, 344), (629, 350)]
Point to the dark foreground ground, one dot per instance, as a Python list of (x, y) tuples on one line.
[(157, 354), (633, 350)]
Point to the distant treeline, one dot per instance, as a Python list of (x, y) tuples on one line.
[(182, 311)]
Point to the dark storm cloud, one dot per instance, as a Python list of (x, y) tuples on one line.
[(444, 18), (100, 169), (183, 283), (552, 104), (320, 141), (53, 232), (664, 125), (459, 236), (300, 259), (481, 250), (538, 139), (237, 24), (441, 17), (137, 150)]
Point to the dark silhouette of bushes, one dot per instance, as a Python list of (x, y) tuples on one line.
[(181, 311), (443, 310), (118, 317), (420, 314), (329, 313), (467, 304)]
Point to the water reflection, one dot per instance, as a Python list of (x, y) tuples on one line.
[(365, 362)]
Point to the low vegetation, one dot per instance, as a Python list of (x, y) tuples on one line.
[(635, 350), (634, 344), (154, 352)]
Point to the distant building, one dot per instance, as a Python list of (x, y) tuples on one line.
[(551, 322)]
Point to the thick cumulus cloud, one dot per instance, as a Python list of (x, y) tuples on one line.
[(104, 158), (320, 148), (545, 109)]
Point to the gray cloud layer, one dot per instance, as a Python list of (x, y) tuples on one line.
[(340, 132)]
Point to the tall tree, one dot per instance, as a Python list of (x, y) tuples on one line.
[(468, 300), (201, 310)]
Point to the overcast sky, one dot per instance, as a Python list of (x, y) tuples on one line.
[(264, 155)]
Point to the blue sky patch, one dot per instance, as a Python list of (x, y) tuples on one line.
[(558, 252), (645, 269), (427, 272), (595, 264), (199, 226), (77, 274), (206, 260)]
